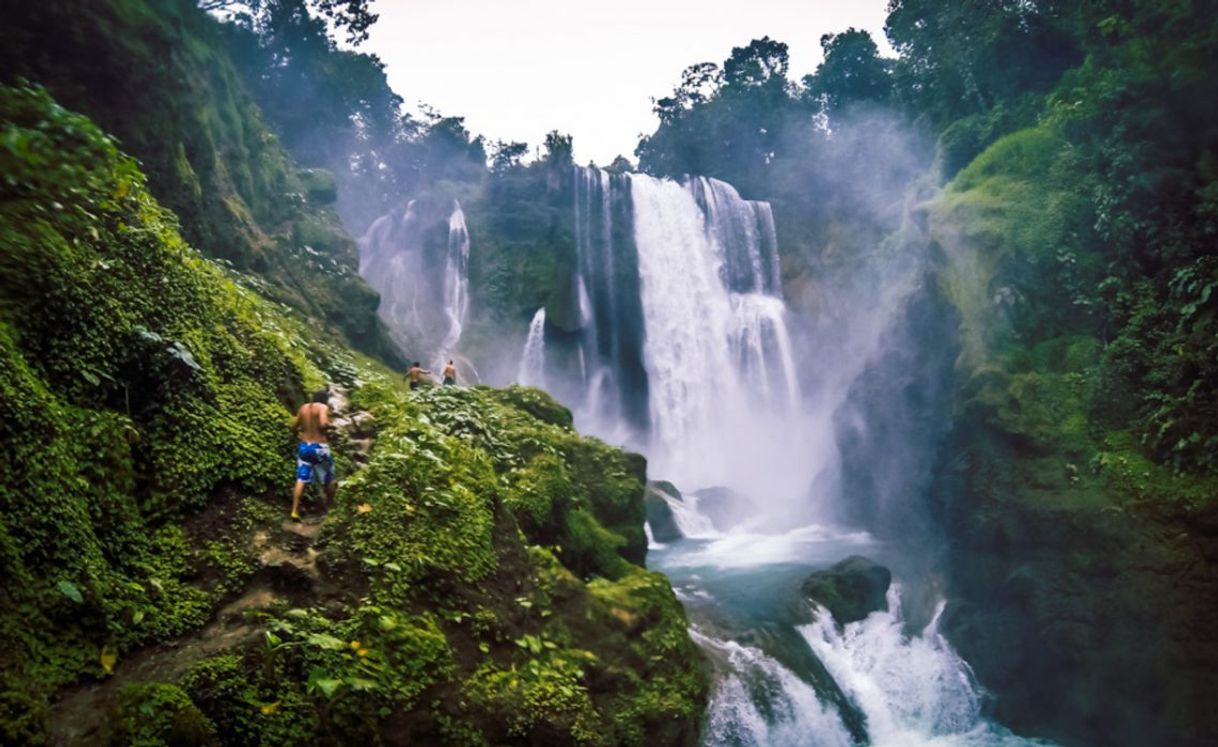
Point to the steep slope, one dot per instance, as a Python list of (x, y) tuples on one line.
[(476, 581), (156, 74), (1085, 570)]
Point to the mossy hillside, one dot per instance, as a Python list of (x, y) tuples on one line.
[(149, 412), (457, 625), (1063, 524), (150, 388), (156, 73)]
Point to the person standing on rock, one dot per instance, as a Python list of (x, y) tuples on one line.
[(450, 374), (415, 373), (313, 458)]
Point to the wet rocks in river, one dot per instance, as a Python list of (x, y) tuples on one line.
[(851, 589), (659, 514)]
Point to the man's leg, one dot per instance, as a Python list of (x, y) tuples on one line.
[(300, 486)]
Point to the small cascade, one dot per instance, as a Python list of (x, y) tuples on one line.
[(533, 359), (417, 259), (913, 690), (689, 520), (792, 716)]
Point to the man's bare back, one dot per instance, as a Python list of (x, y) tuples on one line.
[(311, 422)]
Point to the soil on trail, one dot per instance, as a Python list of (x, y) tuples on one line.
[(287, 573)]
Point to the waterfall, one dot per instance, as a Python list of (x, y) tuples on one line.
[(793, 715), (684, 352), (684, 336), (417, 259), (533, 360), (456, 278)]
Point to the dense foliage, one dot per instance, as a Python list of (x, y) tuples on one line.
[(151, 385), (169, 92), (147, 440)]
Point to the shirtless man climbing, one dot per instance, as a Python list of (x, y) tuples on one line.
[(416, 373), (313, 457)]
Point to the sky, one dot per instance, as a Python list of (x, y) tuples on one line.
[(516, 69)]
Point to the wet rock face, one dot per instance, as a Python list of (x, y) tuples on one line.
[(851, 589), (659, 514)]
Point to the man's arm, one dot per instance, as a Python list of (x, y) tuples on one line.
[(295, 423)]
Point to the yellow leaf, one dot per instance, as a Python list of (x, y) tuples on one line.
[(270, 708), (363, 508), (354, 644), (109, 657)]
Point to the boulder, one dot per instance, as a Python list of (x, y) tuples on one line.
[(659, 514), (851, 589)]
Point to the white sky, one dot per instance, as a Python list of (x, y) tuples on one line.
[(516, 69)]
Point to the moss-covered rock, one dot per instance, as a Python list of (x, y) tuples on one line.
[(850, 590), (1064, 532)]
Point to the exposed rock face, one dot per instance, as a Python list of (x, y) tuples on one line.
[(851, 589), (659, 514)]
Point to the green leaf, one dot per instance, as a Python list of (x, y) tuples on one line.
[(321, 681), (361, 683), (326, 641), (69, 590)]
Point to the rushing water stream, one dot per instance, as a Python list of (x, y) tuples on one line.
[(739, 589)]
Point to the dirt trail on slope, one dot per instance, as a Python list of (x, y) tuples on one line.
[(287, 573)]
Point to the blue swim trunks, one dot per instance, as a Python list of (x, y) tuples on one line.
[(314, 457)]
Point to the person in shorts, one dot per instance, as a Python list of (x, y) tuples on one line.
[(313, 458)]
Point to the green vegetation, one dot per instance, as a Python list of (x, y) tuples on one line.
[(157, 75), (148, 420)]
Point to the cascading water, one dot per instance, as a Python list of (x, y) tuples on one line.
[(456, 278), (533, 360), (684, 352), (684, 344), (417, 259)]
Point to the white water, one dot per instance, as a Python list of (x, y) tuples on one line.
[(456, 279), (722, 379), (533, 360), (793, 714), (912, 690), (424, 291)]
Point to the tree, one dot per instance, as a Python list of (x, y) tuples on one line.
[(506, 156), (852, 73), (764, 61), (958, 59), (352, 15), (559, 149)]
